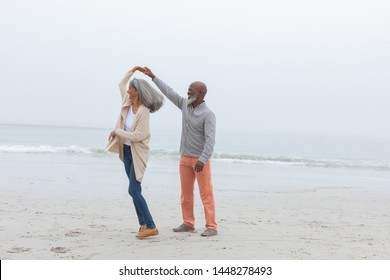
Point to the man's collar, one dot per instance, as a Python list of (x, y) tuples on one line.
[(198, 106)]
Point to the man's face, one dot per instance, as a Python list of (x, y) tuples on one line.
[(194, 93)]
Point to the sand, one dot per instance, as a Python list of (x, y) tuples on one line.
[(64, 207)]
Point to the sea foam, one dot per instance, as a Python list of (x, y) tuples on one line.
[(218, 157)]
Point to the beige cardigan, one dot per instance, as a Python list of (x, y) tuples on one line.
[(139, 135)]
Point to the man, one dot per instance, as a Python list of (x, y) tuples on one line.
[(196, 148)]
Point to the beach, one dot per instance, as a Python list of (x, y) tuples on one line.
[(65, 206)]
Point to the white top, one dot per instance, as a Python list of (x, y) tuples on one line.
[(129, 123)]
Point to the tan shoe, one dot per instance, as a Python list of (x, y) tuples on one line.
[(142, 228), (147, 232)]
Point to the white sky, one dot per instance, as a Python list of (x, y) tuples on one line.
[(280, 65)]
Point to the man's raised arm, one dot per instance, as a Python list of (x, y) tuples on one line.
[(165, 89)]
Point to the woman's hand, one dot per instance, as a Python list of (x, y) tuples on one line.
[(139, 68), (112, 135)]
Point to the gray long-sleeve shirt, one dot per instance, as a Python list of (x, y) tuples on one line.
[(198, 125)]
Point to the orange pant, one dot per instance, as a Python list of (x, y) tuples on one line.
[(187, 178)]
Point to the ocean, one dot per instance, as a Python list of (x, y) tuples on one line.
[(231, 147)]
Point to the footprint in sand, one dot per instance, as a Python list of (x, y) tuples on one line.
[(73, 234), (98, 226), (60, 250), (16, 250)]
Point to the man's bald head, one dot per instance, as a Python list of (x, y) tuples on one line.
[(200, 86), (196, 93)]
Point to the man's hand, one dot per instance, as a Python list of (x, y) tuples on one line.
[(198, 166), (148, 72)]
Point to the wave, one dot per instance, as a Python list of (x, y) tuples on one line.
[(304, 161), (287, 160), (218, 157), (46, 149)]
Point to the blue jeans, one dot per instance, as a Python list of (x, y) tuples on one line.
[(135, 191)]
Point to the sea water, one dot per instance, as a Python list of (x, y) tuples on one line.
[(231, 147)]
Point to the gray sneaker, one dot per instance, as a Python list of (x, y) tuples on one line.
[(209, 232), (183, 228)]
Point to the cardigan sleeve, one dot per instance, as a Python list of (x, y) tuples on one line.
[(140, 130), (123, 84)]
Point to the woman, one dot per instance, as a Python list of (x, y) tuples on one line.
[(131, 140)]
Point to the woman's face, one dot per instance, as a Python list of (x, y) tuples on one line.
[(133, 93)]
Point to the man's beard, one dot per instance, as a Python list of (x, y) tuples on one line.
[(191, 100)]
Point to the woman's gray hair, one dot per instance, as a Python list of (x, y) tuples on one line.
[(148, 96)]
